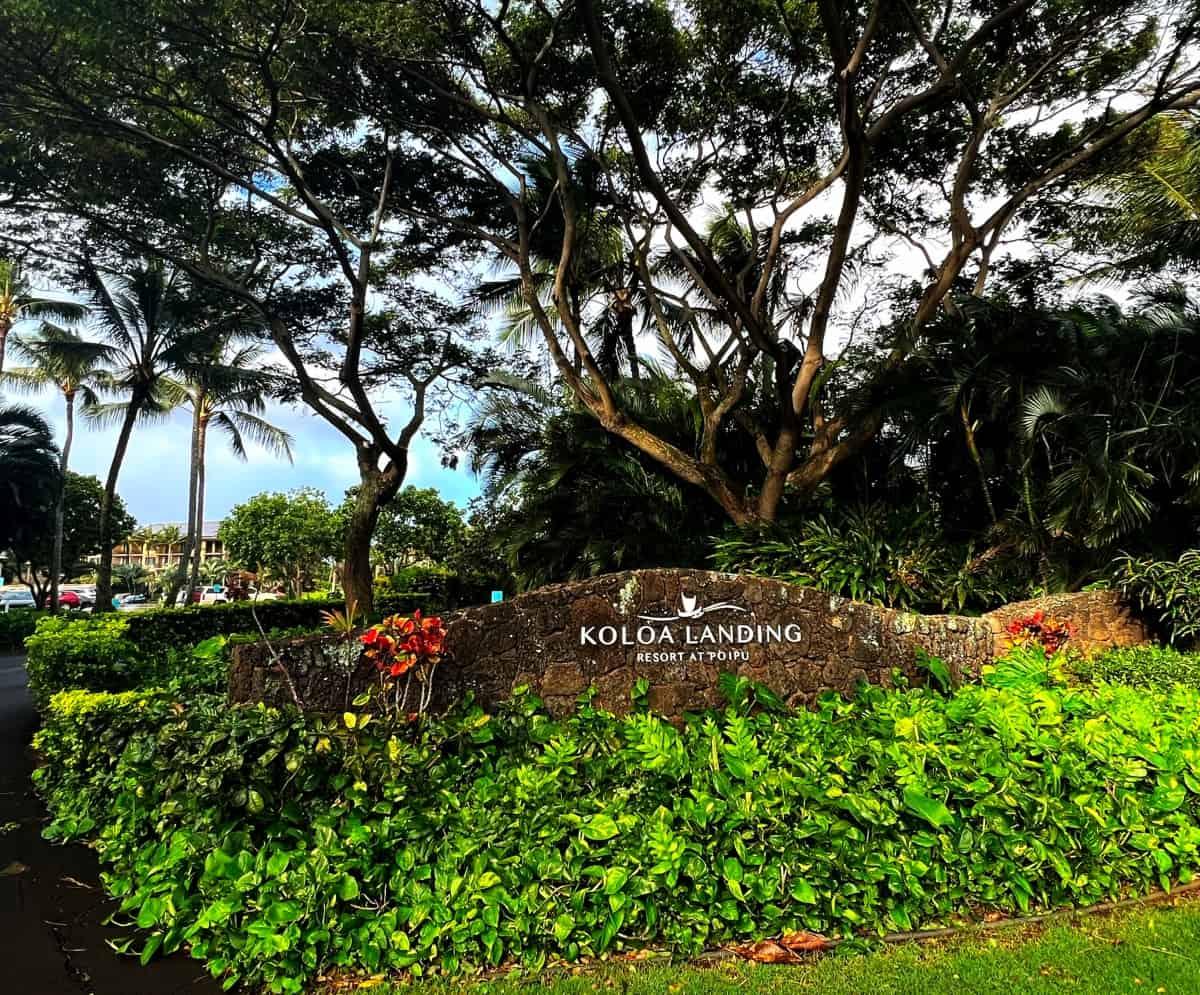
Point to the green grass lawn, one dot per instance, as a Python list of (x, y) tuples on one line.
[(1148, 951)]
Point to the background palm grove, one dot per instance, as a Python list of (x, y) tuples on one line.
[(892, 298)]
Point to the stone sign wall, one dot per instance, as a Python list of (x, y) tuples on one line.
[(1100, 619), (678, 629)]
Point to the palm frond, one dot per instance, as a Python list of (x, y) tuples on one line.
[(239, 424)]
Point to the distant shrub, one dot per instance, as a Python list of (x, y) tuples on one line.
[(1169, 590), (439, 583), (125, 651), (16, 626), (186, 626), (1158, 668)]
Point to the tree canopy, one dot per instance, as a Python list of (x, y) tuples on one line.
[(717, 179), (82, 497), (287, 537), (417, 525)]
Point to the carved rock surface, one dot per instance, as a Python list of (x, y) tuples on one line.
[(678, 629)]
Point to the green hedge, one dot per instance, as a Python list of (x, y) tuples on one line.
[(1157, 667), (122, 651), (96, 654), (197, 622), (16, 626), (85, 652), (276, 847)]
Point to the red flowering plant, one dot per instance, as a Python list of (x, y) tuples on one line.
[(405, 648), (1040, 629)]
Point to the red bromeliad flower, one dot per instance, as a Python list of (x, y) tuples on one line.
[(1049, 633), (397, 644)]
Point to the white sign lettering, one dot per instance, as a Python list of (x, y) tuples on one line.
[(713, 642)]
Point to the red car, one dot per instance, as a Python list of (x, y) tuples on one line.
[(69, 599)]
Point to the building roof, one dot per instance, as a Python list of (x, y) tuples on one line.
[(209, 531)]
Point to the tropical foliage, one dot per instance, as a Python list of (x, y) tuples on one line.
[(29, 473), (79, 538), (897, 557), (20, 301), (275, 847), (1169, 589), (571, 500)]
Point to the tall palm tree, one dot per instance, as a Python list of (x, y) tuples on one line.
[(224, 387), (152, 326), (28, 471), (605, 281), (61, 359), (18, 301)]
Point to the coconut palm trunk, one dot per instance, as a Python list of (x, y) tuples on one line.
[(5, 327), (60, 505), (198, 510), (191, 537), (104, 591)]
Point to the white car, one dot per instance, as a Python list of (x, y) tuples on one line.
[(16, 599), (212, 596)]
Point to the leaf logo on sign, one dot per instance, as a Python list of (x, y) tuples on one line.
[(688, 609)]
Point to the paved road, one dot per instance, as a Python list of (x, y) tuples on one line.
[(52, 911)]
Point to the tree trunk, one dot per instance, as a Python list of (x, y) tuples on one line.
[(198, 512), (977, 459), (625, 323), (376, 487), (5, 327), (189, 541), (104, 590), (61, 503)]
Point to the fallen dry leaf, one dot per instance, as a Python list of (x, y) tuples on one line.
[(805, 941), (766, 952), (13, 869), (790, 948)]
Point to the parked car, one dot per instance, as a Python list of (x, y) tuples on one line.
[(70, 599), (10, 600), (213, 596), (130, 602)]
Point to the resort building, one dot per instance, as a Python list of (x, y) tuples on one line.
[(160, 546)]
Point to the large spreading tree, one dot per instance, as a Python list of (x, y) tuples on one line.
[(244, 145), (723, 179)]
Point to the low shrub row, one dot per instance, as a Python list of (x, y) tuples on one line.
[(1156, 667), (96, 654), (16, 627), (119, 652), (275, 846), (176, 626)]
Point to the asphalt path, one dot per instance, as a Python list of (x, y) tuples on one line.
[(52, 909)]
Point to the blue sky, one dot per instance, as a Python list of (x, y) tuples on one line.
[(154, 478)]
